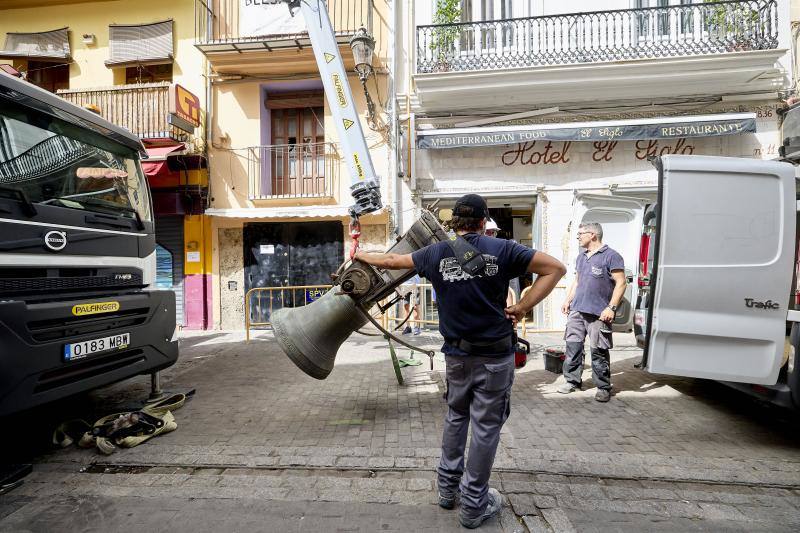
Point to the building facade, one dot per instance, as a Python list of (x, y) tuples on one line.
[(279, 186), (134, 63), (554, 111)]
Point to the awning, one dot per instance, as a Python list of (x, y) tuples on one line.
[(616, 130), (137, 44), (50, 45), (323, 211), (157, 158)]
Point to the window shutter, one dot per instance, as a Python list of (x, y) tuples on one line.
[(140, 43), (47, 45)]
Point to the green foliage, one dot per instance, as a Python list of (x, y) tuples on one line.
[(447, 12), (442, 40), (737, 23)]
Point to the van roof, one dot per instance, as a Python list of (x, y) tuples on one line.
[(29, 95)]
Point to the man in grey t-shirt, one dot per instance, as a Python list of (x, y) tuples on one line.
[(591, 305)]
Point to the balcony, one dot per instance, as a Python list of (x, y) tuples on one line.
[(293, 171), (238, 38), (141, 108), (564, 54)]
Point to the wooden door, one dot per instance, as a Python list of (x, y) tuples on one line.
[(298, 152)]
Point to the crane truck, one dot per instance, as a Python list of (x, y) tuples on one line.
[(79, 307)]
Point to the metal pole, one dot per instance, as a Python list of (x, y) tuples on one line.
[(155, 387)]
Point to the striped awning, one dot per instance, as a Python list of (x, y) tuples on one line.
[(140, 44), (50, 45)]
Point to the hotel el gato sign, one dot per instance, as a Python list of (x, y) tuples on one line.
[(634, 131)]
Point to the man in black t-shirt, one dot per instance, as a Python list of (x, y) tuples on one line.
[(478, 331)]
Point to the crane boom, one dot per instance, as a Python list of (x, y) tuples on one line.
[(365, 186)]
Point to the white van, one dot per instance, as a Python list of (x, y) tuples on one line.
[(717, 275)]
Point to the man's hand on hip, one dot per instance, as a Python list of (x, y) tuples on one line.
[(515, 313)]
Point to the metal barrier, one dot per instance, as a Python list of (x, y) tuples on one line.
[(428, 311), (259, 294)]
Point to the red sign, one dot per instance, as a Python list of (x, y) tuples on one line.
[(184, 104)]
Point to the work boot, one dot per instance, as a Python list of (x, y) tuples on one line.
[(602, 395), (566, 388), (447, 502), (495, 502)]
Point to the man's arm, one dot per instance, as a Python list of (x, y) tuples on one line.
[(570, 295), (549, 271), (387, 261), (620, 284)]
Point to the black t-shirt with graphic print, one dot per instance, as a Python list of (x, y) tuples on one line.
[(472, 308)]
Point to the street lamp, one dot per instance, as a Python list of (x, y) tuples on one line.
[(363, 46)]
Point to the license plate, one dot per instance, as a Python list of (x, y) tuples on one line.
[(79, 350)]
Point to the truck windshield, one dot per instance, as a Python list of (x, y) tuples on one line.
[(47, 160)]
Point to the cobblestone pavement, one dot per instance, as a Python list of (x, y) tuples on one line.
[(263, 447)]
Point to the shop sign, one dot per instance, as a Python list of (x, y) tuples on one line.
[(549, 153), (314, 294), (259, 18), (184, 108), (629, 132)]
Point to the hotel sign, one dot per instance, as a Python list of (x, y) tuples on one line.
[(184, 108), (623, 132)]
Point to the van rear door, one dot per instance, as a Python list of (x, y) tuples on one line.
[(621, 218), (723, 268)]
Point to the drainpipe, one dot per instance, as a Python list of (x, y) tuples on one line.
[(393, 184)]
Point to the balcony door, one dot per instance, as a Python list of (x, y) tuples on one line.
[(491, 36), (297, 154)]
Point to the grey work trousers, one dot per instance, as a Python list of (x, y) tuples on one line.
[(478, 391), (580, 326)]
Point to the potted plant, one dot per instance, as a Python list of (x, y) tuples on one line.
[(443, 38), (740, 27)]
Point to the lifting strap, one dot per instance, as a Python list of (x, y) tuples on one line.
[(125, 430)]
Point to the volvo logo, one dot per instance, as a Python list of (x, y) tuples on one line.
[(55, 240)]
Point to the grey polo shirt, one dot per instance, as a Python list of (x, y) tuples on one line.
[(595, 284)]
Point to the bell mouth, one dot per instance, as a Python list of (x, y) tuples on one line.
[(311, 335)]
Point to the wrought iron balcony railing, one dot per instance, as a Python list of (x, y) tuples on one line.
[(307, 170), (222, 25), (600, 36), (142, 108)]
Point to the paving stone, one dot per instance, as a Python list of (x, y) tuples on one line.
[(523, 504), (558, 520), (535, 524), (544, 502)]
